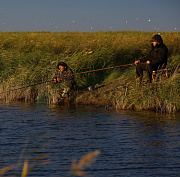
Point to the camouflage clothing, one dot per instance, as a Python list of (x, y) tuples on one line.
[(67, 83)]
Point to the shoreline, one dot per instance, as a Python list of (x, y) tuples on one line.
[(27, 59)]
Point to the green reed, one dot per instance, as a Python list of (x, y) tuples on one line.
[(27, 58)]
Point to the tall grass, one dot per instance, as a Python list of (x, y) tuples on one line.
[(34, 157), (27, 58)]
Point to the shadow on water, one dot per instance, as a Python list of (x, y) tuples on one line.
[(131, 143)]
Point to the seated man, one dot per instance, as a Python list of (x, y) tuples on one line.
[(157, 59), (63, 78)]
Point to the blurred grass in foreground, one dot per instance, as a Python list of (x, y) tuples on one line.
[(77, 169)]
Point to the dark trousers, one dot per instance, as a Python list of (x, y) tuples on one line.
[(145, 67)]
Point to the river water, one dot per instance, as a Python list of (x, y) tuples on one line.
[(130, 143)]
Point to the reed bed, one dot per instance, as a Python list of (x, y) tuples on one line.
[(29, 58)]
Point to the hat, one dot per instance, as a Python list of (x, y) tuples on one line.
[(157, 38)]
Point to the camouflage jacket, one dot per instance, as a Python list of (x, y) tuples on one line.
[(66, 76)]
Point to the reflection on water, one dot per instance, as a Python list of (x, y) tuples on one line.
[(131, 143)]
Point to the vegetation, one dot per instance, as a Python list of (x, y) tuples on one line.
[(29, 58), (33, 157), (77, 168)]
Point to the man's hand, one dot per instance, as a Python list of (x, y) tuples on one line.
[(137, 62), (55, 81), (59, 79)]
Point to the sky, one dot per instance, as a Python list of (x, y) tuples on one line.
[(89, 15)]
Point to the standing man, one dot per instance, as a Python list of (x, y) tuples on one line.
[(157, 59)]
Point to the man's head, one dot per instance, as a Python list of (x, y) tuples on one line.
[(62, 66), (156, 39)]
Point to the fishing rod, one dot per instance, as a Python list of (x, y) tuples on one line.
[(24, 87), (84, 72), (112, 67)]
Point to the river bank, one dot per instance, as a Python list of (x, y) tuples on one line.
[(125, 93), (28, 60)]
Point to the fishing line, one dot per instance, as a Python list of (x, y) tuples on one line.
[(84, 72)]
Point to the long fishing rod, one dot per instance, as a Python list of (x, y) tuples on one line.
[(112, 67), (84, 72), (24, 87)]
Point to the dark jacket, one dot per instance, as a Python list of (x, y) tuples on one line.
[(158, 54)]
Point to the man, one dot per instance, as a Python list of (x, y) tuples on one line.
[(157, 59), (63, 78)]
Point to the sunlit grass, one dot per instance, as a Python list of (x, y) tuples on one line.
[(77, 168), (28, 58), (33, 157), (28, 159)]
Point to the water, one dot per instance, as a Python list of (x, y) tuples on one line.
[(131, 143)]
